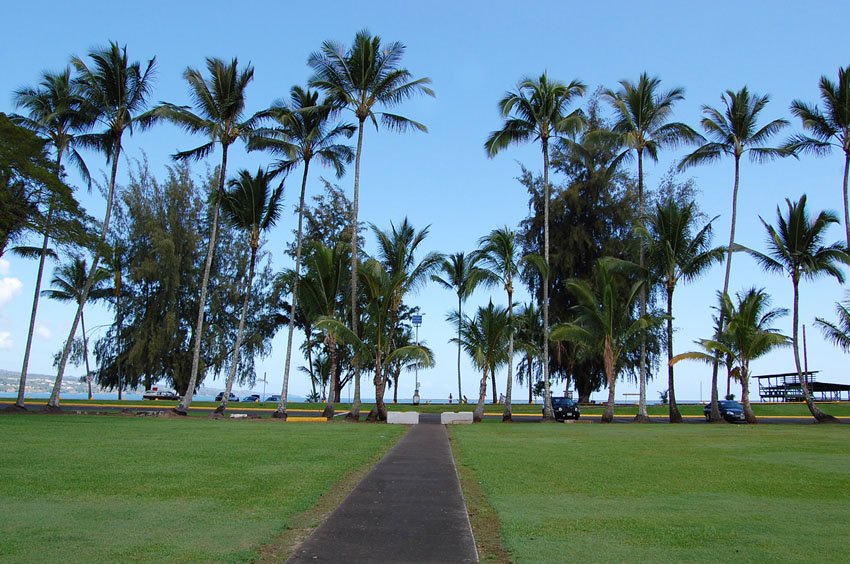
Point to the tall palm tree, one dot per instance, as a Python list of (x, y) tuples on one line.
[(604, 321), (363, 78), (219, 101), (461, 274), (302, 130), (828, 129), (734, 132), (643, 123), (674, 253), (53, 111), (252, 205), (746, 337), (501, 261), (68, 285), (529, 327), (113, 91), (485, 340), (796, 248), (537, 110)]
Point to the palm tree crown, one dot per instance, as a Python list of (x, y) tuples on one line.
[(252, 204)]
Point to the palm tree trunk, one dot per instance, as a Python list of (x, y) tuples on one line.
[(507, 416), (816, 412), (530, 394), (608, 361), (86, 354), (493, 380), (281, 409), (329, 408), (478, 413), (642, 416), (380, 385), (715, 410), (183, 408), (53, 402), (548, 413), (355, 204), (844, 193), (120, 315), (675, 416), (459, 318), (231, 376), (745, 393)]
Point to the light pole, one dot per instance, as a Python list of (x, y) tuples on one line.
[(417, 321)]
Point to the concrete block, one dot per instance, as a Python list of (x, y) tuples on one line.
[(239, 416), (403, 417), (456, 418)]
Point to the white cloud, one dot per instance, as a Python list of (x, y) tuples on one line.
[(9, 288), (4, 267), (43, 332), (6, 342)]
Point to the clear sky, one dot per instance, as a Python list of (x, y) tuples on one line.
[(473, 52)]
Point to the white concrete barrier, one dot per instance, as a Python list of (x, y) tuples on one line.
[(461, 418), (403, 417)]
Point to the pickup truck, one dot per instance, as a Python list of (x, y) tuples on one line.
[(157, 394)]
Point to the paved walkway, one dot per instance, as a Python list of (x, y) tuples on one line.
[(409, 508)]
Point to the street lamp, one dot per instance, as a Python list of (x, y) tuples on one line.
[(417, 321)]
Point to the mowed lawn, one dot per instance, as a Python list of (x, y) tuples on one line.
[(665, 493), (89, 488)]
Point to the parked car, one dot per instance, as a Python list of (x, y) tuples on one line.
[(157, 394), (565, 408), (275, 399), (253, 398), (232, 397), (731, 411)]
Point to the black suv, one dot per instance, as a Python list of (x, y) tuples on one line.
[(565, 408), (731, 411)]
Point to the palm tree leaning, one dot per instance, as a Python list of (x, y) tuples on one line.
[(112, 92), (828, 128), (219, 114), (795, 248), (485, 340), (746, 337), (252, 205), (734, 132), (674, 252), (537, 109), (362, 78), (604, 321), (302, 130), (642, 113), (68, 285), (461, 274), (53, 111)]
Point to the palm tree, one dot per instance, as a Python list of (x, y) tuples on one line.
[(302, 131), (219, 115), (485, 340), (830, 128), (53, 111), (112, 93), (734, 132), (746, 337), (363, 78), (461, 274), (68, 285), (253, 206), (321, 295), (676, 253), (604, 322), (795, 248), (499, 256), (529, 327), (642, 113), (837, 332), (537, 110)]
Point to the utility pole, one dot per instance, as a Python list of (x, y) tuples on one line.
[(417, 321)]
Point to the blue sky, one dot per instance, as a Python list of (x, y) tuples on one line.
[(473, 52)]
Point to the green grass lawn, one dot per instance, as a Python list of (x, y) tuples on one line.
[(664, 493), (117, 489)]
